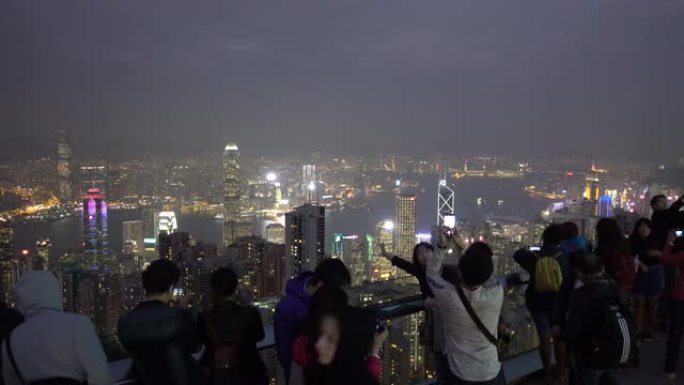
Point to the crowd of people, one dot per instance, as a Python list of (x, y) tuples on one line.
[(591, 304)]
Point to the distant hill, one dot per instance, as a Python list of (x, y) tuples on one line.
[(22, 148)]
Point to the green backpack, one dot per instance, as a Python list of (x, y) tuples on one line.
[(547, 274)]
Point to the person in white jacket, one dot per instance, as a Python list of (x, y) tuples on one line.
[(51, 344), (471, 356)]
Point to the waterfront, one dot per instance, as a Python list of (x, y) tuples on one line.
[(496, 196)]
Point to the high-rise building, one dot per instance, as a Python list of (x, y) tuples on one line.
[(41, 260), (133, 234), (275, 233), (8, 262), (405, 225), (445, 203), (166, 222), (64, 164), (94, 176), (381, 268), (270, 279), (356, 257), (604, 207), (234, 227), (305, 238), (95, 231), (231, 183)]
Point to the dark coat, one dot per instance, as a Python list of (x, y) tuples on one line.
[(161, 340)]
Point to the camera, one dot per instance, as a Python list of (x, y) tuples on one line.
[(535, 248)]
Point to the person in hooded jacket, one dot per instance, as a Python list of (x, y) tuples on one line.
[(51, 346), (291, 312)]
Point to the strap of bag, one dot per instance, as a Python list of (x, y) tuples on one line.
[(10, 354), (475, 318)]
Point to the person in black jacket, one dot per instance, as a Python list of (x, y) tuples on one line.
[(586, 322), (650, 277), (159, 338), (666, 218), (231, 325)]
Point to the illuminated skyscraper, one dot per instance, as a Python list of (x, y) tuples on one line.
[(133, 235), (305, 239), (94, 176), (445, 203), (8, 261), (165, 222), (275, 233), (405, 225), (382, 269), (95, 231), (270, 278), (64, 164), (231, 183), (604, 207)]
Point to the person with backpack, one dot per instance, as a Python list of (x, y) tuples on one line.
[(615, 252), (542, 294), (599, 328), (232, 331)]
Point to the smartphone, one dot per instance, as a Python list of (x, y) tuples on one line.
[(679, 233), (379, 328), (535, 248), (178, 292)]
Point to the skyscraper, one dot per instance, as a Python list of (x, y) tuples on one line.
[(133, 232), (405, 225), (233, 226), (305, 238), (8, 262), (231, 183), (64, 164), (41, 260), (275, 233), (445, 202), (382, 269), (95, 231)]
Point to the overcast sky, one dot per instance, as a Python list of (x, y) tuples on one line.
[(592, 77)]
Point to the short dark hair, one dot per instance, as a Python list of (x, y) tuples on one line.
[(589, 263), (224, 281), (553, 235), (332, 271), (476, 267), (482, 247), (424, 245), (655, 199), (570, 229), (159, 276)]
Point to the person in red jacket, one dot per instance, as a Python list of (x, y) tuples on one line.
[(674, 256)]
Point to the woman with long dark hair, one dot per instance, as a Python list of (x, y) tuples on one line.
[(342, 345), (650, 277), (613, 248)]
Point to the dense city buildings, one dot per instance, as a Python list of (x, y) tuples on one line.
[(304, 238), (8, 261)]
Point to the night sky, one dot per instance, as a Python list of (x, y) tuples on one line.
[(601, 78)]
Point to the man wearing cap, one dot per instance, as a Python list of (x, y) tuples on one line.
[(470, 353)]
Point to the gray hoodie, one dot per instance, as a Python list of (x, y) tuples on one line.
[(51, 343)]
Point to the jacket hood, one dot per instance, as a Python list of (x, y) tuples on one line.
[(297, 285), (38, 290)]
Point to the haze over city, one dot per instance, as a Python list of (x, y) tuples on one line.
[(599, 78)]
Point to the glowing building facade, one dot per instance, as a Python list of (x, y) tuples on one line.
[(405, 225)]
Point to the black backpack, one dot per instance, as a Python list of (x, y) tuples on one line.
[(615, 344)]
